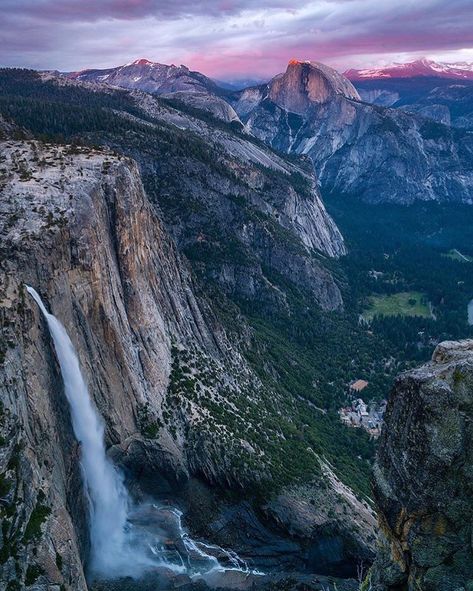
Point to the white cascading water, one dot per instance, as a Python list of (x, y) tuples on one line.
[(120, 545), (107, 495)]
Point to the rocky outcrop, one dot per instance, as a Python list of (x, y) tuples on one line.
[(378, 96), (210, 103), (423, 477), (452, 105), (444, 100)]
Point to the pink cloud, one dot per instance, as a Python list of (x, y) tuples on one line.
[(226, 38)]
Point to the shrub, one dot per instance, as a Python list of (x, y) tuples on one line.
[(32, 573), (38, 516)]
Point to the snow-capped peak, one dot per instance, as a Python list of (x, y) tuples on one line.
[(419, 68)]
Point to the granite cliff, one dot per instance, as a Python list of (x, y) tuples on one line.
[(307, 83), (184, 411), (358, 149), (423, 477)]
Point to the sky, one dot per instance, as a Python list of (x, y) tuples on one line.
[(231, 39)]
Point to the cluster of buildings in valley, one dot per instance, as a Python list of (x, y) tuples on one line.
[(359, 414)]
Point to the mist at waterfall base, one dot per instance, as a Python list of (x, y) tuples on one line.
[(126, 540)]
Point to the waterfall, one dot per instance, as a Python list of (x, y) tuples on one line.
[(107, 495), (125, 540)]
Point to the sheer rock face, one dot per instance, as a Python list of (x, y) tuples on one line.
[(307, 83), (424, 477), (76, 225), (361, 150)]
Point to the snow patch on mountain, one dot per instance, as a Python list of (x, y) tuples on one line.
[(418, 68)]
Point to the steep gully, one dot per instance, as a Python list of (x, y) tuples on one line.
[(126, 539)]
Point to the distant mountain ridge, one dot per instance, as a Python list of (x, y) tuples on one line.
[(153, 77), (366, 150), (239, 83), (416, 69), (436, 91)]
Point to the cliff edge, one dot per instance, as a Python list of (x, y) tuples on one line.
[(424, 477), (185, 414)]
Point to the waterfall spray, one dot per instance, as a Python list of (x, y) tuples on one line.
[(120, 544), (107, 495)]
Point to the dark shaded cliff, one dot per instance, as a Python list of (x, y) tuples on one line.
[(424, 477)]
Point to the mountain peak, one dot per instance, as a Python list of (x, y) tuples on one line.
[(141, 62), (153, 77), (422, 67), (306, 83), (294, 62)]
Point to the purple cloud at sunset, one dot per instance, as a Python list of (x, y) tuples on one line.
[(231, 38)]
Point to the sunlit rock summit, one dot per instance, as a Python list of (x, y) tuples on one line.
[(307, 83)]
